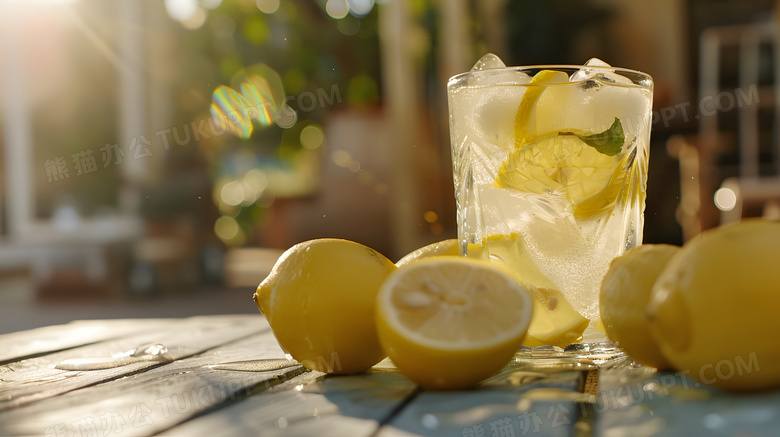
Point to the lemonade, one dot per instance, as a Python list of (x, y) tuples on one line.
[(551, 161)]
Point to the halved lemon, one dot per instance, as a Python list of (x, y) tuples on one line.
[(449, 322)]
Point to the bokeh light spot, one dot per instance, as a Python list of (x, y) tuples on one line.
[(431, 216), (360, 8), (268, 6), (312, 137), (354, 166), (232, 193), (195, 20), (254, 184), (337, 9), (342, 158), (226, 228), (287, 117), (181, 10), (725, 199)]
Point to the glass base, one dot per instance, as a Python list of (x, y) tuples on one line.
[(578, 356)]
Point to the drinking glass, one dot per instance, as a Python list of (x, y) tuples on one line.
[(550, 173)]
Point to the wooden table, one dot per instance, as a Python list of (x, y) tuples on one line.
[(184, 396)]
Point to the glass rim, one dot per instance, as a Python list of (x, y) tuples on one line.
[(557, 67)]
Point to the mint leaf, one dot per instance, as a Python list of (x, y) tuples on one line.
[(608, 142)]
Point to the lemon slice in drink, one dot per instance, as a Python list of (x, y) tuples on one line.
[(582, 167), (450, 322), (566, 166), (530, 97), (554, 320)]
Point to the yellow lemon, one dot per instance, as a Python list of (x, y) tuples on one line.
[(625, 292), (554, 321), (450, 322), (320, 299), (714, 308), (441, 248)]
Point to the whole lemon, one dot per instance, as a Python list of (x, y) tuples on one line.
[(440, 248), (320, 300), (625, 292), (714, 308)]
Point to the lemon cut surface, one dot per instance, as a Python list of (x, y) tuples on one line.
[(449, 322)]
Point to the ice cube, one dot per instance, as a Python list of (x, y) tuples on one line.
[(490, 70), (485, 102), (600, 74), (485, 114), (488, 62), (587, 73), (599, 95)]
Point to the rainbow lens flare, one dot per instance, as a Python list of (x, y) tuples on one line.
[(260, 97), (232, 111)]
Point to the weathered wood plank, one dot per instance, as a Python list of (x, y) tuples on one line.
[(35, 342), (672, 405), (310, 404), (146, 403), (36, 378), (514, 402)]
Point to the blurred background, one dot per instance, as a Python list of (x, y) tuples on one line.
[(131, 186)]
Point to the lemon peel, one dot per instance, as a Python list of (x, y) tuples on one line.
[(441, 248), (625, 292), (320, 300), (713, 309)]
